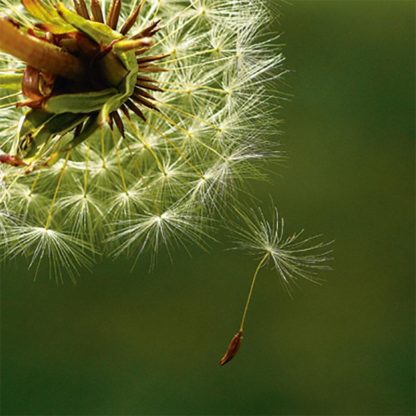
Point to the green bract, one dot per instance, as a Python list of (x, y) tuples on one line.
[(62, 113)]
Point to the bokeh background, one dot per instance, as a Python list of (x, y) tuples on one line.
[(122, 343)]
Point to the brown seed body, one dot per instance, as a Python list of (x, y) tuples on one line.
[(233, 348)]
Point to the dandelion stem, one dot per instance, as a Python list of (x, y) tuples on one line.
[(250, 293), (39, 54)]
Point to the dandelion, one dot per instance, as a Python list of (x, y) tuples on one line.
[(131, 126), (292, 257), (125, 126), (128, 127)]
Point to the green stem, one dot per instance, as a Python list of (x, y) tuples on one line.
[(39, 54)]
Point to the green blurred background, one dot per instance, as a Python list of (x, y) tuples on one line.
[(148, 343)]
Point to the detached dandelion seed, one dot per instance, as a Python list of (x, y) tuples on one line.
[(292, 257)]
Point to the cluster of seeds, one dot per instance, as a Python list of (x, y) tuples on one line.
[(156, 168)]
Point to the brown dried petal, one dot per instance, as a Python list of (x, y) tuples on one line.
[(36, 84)]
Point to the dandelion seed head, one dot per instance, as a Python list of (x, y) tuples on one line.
[(151, 182)]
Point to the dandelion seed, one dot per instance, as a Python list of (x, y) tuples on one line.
[(292, 257), (59, 250)]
